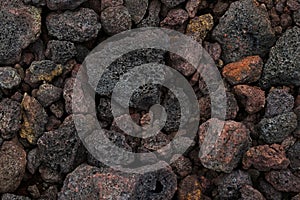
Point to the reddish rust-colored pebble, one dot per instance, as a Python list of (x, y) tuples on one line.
[(251, 97), (247, 70), (265, 158)]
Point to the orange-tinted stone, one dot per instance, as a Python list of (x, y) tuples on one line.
[(247, 70)]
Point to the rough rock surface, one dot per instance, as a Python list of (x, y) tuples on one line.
[(10, 118), (265, 158), (282, 68), (75, 26), (247, 70), (189, 188), (279, 101), (229, 185), (244, 30), (251, 97), (293, 154), (172, 3), (64, 4), (249, 193), (276, 129), (115, 20), (20, 25), (199, 26), (152, 19), (34, 119), (48, 94), (59, 148), (8, 196), (87, 182), (12, 166), (9, 78), (60, 51), (223, 152), (45, 70), (136, 9), (284, 180)]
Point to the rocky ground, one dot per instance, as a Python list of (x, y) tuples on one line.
[(255, 45)]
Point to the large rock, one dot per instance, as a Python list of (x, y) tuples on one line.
[(223, 151), (12, 166), (76, 26), (20, 25), (10, 120), (87, 182), (282, 68), (244, 30)]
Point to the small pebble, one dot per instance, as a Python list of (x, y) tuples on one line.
[(189, 188), (9, 78), (60, 51), (48, 94), (44, 70), (199, 26)]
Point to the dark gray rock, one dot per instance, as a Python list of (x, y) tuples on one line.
[(278, 102), (59, 148), (172, 3), (152, 19), (115, 20), (10, 118), (48, 94), (249, 193), (76, 26), (64, 4), (244, 30), (9, 78), (284, 180), (137, 9), (44, 70), (293, 154), (276, 129), (229, 185), (20, 25), (60, 51), (282, 68), (8, 196)]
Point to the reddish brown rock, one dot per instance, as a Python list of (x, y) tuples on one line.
[(182, 166), (284, 181), (251, 97), (265, 158), (175, 17), (181, 65), (213, 49), (192, 7), (12, 166), (189, 189), (223, 151), (247, 70), (268, 190)]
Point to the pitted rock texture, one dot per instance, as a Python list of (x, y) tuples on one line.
[(244, 30), (75, 26), (20, 25), (12, 165), (63, 4), (223, 152), (282, 68)]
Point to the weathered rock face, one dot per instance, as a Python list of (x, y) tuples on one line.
[(282, 68), (10, 120), (244, 30), (222, 152), (75, 26), (87, 182), (276, 129), (284, 181), (265, 158), (20, 25), (34, 119), (9, 78), (12, 166), (60, 51), (115, 19), (63, 4)]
